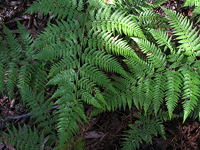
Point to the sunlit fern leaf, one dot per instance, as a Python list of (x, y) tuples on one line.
[(111, 45), (102, 60), (151, 20), (188, 37), (117, 21), (190, 3), (157, 3), (59, 8), (162, 39), (154, 54)]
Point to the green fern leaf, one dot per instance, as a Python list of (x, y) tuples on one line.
[(190, 91), (172, 90), (183, 29), (158, 91), (25, 138), (154, 54)]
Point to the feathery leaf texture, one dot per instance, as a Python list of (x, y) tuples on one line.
[(105, 55), (143, 130), (195, 3), (25, 138)]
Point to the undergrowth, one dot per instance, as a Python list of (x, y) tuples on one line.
[(91, 55)]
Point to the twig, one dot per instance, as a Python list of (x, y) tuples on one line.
[(26, 115)]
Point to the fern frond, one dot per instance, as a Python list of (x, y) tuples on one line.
[(154, 54), (59, 8), (40, 109), (157, 3), (16, 53), (68, 62), (103, 61), (24, 74), (59, 41), (176, 58), (183, 29), (191, 91), (158, 91), (162, 39), (25, 138), (118, 20), (135, 96), (87, 97), (105, 41), (14, 45), (190, 3), (173, 88), (150, 19), (94, 74), (148, 93), (69, 113), (25, 38), (139, 68), (143, 130), (12, 79), (39, 78), (66, 76), (132, 6), (2, 78), (141, 94)]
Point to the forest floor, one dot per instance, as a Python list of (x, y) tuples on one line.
[(105, 130)]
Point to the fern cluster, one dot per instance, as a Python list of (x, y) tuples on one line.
[(78, 58)]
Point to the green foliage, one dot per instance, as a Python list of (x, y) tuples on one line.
[(143, 130), (25, 138), (90, 55), (195, 3)]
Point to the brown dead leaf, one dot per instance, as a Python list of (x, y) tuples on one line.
[(12, 103), (93, 134), (3, 99)]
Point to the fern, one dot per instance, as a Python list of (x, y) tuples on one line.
[(13, 71), (51, 6), (146, 128), (197, 7), (183, 29), (25, 138), (91, 55)]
